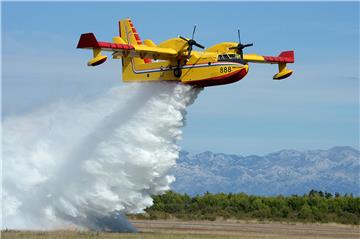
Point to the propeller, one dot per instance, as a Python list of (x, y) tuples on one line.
[(240, 46), (191, 42)]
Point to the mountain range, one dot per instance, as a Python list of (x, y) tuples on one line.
[(285, 172)]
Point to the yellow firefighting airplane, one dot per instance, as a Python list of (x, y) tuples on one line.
[(175, 60)]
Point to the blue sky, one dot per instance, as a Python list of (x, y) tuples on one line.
[(317, 108)]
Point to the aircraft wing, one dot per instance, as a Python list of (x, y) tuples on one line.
[(121, 48), (281, 60), (284, 57)]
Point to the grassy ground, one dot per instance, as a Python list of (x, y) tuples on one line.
[(92, 235), (170, 229)]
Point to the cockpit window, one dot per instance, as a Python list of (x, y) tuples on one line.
[(227, 56), (223, 57), (231, 58)]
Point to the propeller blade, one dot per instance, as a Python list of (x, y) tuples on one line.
[(198, 45), (189, 51), (239, 48), (247, 45), (183, 38), (241, 54), (193, 32), (191, 42)]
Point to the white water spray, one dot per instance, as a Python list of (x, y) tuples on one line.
[(77, 163)]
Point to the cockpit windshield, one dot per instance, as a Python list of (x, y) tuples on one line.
[(231, 58)]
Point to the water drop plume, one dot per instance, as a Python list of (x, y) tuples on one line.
[(84, 163)]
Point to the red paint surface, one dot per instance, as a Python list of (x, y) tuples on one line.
[(115, 46), (88, 40), (284, 57), (220, 80)]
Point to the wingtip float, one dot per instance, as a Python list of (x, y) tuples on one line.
[(175, 60)]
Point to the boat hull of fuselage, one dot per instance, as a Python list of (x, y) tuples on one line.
[(220, 80), (201, 75)]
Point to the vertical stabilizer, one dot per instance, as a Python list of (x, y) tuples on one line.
[(129, 34)]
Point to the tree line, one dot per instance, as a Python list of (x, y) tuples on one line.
[(315, 206)]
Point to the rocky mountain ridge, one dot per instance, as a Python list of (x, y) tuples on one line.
[(285, 172)]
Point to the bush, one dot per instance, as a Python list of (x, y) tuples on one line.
[(316, 206)]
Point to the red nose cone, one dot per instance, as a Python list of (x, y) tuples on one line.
[(243, 72)]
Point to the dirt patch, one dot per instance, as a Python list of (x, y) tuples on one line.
[(244, 229)]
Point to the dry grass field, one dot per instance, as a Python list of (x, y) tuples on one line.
[(170, 229)]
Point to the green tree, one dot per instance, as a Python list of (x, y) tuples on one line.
[(306, 212)]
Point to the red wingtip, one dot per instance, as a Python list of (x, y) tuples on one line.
[(289, 55), (87, 40)]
